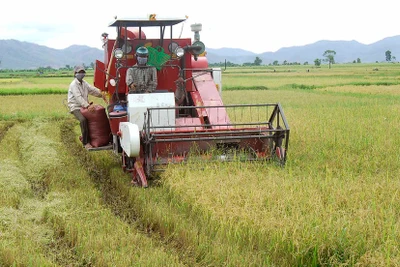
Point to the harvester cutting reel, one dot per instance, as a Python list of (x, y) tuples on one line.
[(164, 138)]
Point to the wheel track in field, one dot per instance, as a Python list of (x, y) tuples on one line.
[(57, 250), (4, 127), (187, 249), (117, 203)]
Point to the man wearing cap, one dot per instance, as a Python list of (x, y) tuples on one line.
[(141, 78), (78, 97)]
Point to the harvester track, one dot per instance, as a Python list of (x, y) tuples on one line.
[(119, 203), (186, 231), (4, 128), (47, 230), (31, 202), (156, 213)]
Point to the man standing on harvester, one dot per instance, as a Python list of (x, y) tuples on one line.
[(141, 78)]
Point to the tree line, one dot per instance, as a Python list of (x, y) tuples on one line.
[(328, 57)]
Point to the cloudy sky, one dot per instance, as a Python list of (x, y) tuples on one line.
[(253, 25)]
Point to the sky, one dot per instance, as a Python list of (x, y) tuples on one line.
[(254, 25)]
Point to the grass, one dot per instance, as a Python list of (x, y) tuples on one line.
[(31, 85), (334, 204), (27, 107), (35, 91), (55, 215), (338, 181), (293, 77)]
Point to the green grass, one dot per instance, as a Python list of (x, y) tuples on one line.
[(334, 204), (54, 215), (34, 91), (288, 77)]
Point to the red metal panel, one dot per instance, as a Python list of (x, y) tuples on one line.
[(200, 63), (166, 77), (176, 151), (190, 124), (209, 95), (99, 75), (207, 89), (197, 101)]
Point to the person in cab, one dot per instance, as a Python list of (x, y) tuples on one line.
[(141, 78)]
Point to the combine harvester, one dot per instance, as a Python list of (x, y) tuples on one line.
[(185, 115)]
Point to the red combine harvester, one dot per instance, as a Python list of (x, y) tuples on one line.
[(185, 116)]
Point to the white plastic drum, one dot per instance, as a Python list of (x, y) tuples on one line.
[(130, 138)]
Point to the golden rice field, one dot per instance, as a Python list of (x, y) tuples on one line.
[(335, 203)]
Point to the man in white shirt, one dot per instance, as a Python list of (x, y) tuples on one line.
[(78, 97)]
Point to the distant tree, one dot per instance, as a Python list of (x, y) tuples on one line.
[(330, 57), (226, 63), (40, 70), (285, 62), (388, 55), (92, 65), (275, 63), (317, 62), (393, 58), (305, 63), (231, 64), (358, 60), (257, 61)]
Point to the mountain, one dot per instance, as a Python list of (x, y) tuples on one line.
[(346, 51), (24, 55)]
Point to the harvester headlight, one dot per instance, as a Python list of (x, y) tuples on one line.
[(127, 48), (198, 48), (179, 52), (118, 53), (173, 46)]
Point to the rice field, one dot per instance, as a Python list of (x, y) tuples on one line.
[(336, 202)]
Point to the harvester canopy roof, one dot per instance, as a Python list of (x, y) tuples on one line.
[(145, 22)]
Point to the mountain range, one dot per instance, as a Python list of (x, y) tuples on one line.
[(16, 54)]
